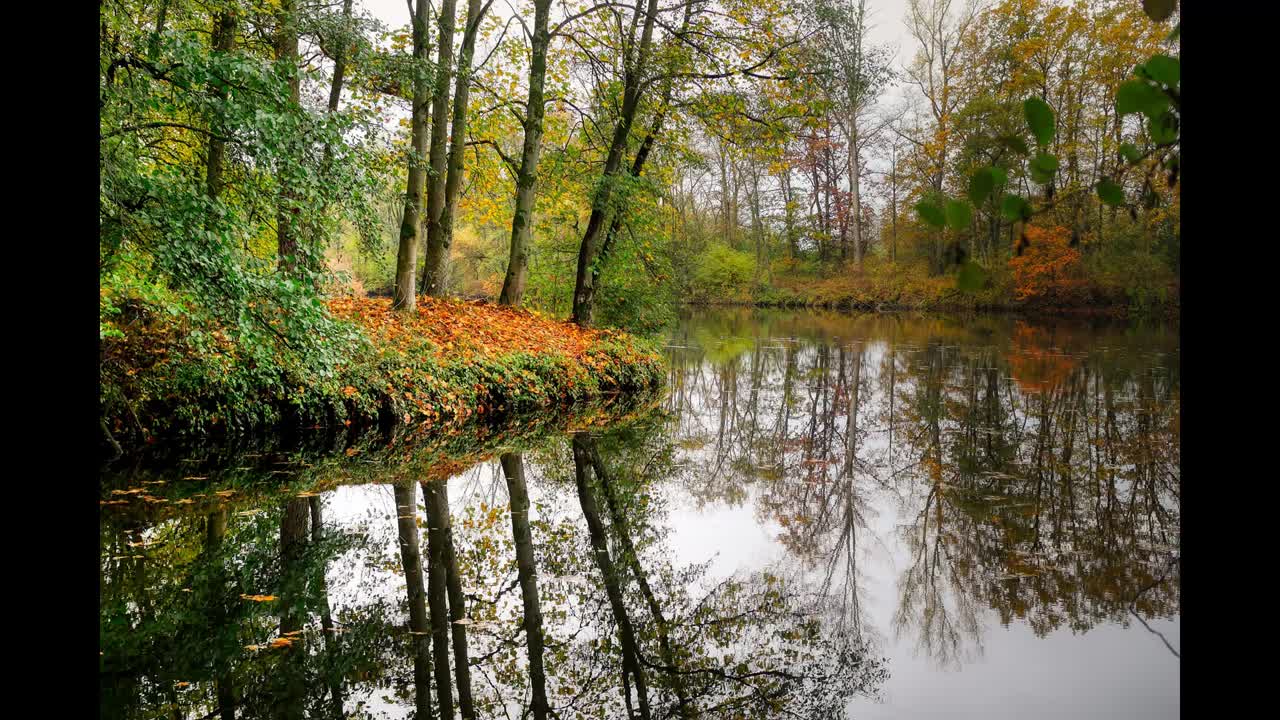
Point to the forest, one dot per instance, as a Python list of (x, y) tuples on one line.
[(275, 173)]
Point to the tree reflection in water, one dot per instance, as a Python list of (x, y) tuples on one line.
[(1013, 469), (1034, 470)]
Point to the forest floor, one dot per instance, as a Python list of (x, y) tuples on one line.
[(452, 363)]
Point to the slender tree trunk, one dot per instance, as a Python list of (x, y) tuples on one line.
[(788, 213), (224, 686), (419, 626), (457, 608), (513, 468), (286, 51), (316, 237), (584, 286), (757, 227), (340, 59), (331, 648), (582, 444), (405, 298), (224, 38), (293, 540), (687, 709), (437, 239), (527, 180), (437, 594), (637, 167), (458, 133), (855, 193)]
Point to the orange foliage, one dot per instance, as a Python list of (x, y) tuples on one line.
[(1048, 267), (1035, 363), (463, 329)]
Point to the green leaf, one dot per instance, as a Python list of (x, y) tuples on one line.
[(1130, 153), (958, 214), (1039, 119), (1015, 143), (1163, 129), (931, 214), (1045, 162), (1015, 208), (1164, 70), (1159, 10), (981, 183), (999, 176), (1110, 193), (1139, 96), (1043, 166), (972, 277)]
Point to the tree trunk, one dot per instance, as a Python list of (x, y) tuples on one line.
[(457, 607), (405, 298), (527, 180), (687, 709), (788, 213), (286, 51), (315, 231), (437, 598), (513, 468), (293, 540), (411, 562), (582, 445), (224, 685), (437, 241), (855, 193), (331, 645), (584, 286), (224, 38), (458, 133)]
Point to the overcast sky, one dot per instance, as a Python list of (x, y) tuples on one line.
[(886, 18)]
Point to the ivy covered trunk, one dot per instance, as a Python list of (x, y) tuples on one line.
[(411, 225)]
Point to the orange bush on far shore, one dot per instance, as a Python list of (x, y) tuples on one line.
[(1048, 267)]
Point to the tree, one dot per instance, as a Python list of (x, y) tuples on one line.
[(437, 254), (411, 225), (527, 176)]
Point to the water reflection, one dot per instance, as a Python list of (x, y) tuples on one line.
[(1034, 470), (1030, 471)]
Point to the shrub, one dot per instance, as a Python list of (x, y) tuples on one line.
[(1048, 268)]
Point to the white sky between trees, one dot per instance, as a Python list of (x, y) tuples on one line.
[(886, 20)]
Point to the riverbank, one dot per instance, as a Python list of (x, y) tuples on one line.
[(891, 290), (450, 363), (183, 480)]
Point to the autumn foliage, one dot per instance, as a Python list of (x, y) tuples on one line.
[(1035, 362), (1048, 268), (450, 363)]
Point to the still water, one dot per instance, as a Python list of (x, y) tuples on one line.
[(821, 516)]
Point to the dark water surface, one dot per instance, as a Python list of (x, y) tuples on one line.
[(822, 516)]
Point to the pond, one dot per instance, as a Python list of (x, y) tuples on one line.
[(822, 515)]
